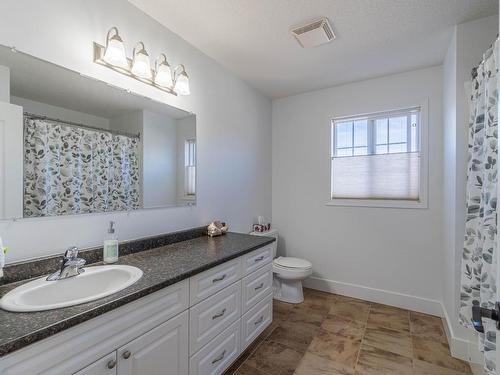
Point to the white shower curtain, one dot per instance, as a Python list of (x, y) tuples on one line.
[(479, 273), (70, 170)]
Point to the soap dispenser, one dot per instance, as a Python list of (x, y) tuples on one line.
[(110, 245)]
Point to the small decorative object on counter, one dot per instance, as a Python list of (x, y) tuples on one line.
[(217, 228), (262, 227)]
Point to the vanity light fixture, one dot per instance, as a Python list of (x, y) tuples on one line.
[(162, 77), (141, 67), (114, 53), (181, 85)]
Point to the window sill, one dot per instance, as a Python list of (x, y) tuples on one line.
[(380, 203)]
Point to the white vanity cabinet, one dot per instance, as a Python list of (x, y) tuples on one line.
[(103, 366), (198, 326), (163, 350)]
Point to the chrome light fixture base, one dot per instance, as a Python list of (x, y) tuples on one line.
[(98, 59)]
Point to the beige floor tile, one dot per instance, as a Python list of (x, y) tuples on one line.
[(274, 358), (397, 342), (247, 370), (312, 364), (303, 323), (316, 301), (290, 338), (354, 310), (373, 361), (343, 326), (426, 325), (424, 368), (337, 348), (438, 353), (389, 317)]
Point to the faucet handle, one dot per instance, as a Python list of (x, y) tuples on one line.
[(71, 253)]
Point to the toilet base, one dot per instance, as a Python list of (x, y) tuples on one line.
[(289, 291)]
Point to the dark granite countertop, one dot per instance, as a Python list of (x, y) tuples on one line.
[(162, 266)]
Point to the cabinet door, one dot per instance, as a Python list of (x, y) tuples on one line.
[(104, 366), (161, 351)]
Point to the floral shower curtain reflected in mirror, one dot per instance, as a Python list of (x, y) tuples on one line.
[(479, 262), (71, 170)]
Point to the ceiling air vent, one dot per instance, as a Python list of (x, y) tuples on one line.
[(313, 33)]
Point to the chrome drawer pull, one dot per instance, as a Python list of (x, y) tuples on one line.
[(259, 259), (260, 320), (111, 364), (126, 354), (219, 358), (219, 314), (259, 287), (219, 278)]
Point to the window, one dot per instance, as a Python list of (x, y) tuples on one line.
[(377, 158), (190, 165)]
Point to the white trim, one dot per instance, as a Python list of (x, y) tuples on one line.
[(424, 164), (385, 203), (466, 350), (386, 297)]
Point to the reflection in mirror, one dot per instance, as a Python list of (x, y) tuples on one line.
[(70, 144)]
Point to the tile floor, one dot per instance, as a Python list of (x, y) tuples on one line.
[(335, 335)]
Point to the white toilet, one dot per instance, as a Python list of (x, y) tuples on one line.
[(288, 273)]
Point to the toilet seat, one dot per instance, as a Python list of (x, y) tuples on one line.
[(293, 263), (289, 268)]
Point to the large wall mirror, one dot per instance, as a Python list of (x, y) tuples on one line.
[(74, 145)]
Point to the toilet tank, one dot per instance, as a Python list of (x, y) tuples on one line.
[(270, 233)]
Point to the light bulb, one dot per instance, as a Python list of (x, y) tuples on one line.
[(141, 67), (182, 82), (114, 54), (163, 76)]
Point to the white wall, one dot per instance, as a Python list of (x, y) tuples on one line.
[(467, 46), (159, 139), (61, 113), (233, 123), (354, 248)]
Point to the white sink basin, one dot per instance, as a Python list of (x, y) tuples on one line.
[(96, 282)]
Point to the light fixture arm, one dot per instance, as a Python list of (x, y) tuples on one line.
[(161, 60), (109, 36), (179, 69), (142, 50)]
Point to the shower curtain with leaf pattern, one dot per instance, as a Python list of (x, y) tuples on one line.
[(70, 170), (479, 273)]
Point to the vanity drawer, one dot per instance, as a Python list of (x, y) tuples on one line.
[(217, 355), (256, 286), (256, 259), (215, 279), (256, 320), (209, 318)]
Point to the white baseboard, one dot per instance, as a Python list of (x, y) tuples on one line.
[(459, 347), (462, 348), (386, 297)]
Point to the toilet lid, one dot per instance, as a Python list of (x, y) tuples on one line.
[(290, 262)]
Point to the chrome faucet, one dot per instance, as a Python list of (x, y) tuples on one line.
[(71, 265)]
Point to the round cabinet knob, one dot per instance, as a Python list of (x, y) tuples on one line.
[(126, 354), (111, 364)]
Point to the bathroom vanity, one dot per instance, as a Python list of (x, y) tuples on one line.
[(197, 307)]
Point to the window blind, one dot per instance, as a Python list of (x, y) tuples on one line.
[(385, 176)]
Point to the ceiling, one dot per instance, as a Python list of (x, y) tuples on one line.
[(374, 37)]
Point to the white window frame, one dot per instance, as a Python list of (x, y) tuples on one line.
[(422, 202), (187, 156)]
